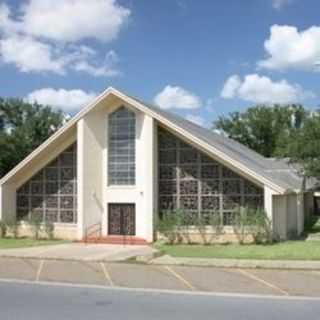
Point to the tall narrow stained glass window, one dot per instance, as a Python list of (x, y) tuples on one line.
[(121, 147)]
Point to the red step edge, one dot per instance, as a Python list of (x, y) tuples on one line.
[(130, 240)]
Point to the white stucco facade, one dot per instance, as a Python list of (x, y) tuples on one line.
[(94, 191)]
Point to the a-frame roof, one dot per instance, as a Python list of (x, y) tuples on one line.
[(278, 171), (275, 174)]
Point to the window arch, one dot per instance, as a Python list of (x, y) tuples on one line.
[(121, 147)]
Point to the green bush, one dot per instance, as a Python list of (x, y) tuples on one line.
[(263, 231), (201, 224), (187, 222), (176, 225), (209, 227), (35, 223), (252, 221), (13, 225), (170, 224), (3, 229), (49, 229), (216, 224)]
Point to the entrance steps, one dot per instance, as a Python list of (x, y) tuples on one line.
[(123, 240)]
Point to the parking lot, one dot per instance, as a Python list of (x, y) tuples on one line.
[(130, 275)]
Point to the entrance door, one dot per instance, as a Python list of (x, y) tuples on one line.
[(121, 219)]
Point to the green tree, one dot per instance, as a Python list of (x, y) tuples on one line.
[(23, 127), (265, 129), (304, 147)]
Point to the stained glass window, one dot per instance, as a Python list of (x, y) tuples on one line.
[(52, 192), (193, 181), (121, 147)]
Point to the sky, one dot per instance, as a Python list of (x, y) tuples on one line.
[(198, 58)]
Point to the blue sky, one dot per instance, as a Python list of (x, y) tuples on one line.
[(199, 59)]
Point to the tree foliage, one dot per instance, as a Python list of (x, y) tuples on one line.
[(304, 147), (289, 131), (23, 127), (265, 129)]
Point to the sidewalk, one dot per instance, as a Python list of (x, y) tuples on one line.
[(81, 252), (237, 263), (148, 255)]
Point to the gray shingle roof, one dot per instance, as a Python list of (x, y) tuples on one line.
[(277, 171)]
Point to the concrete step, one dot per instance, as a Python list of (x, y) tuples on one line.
[(313, 237)]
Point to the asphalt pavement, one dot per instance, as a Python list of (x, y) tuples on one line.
[(164, 277), (26, 301)]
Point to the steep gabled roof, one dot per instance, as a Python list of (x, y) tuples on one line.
[(276, 174), (277, 171)]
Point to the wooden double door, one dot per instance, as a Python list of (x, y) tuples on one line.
[(121, 219)]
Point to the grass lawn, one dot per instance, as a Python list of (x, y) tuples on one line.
[(287, 250), (10, 243)]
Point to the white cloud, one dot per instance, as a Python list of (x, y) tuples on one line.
[(261, 89), (67, 100), (279, 4), (176, 97), (28, 54), (106, 68), (195, 119), (40, 37), (68, 20), (231, 86), (287, 47), (7, 25)]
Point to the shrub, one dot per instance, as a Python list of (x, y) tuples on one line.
[(241, 223), (255, 222), (13, 225), (3, 229), (49, 229), (214, 221), (265, 226), (201, 224), (186, 224), (216, 224), (35, 223), (170, 225)]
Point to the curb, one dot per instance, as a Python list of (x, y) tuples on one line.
[(157, 258), (147, 258), (237, 263)]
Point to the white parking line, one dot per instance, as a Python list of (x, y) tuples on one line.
[(178, 276), (268, 284), (106, 274), (39, 270)]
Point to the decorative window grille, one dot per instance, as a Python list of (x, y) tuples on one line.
[(121, 147), (52, 192), (191, 180)]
